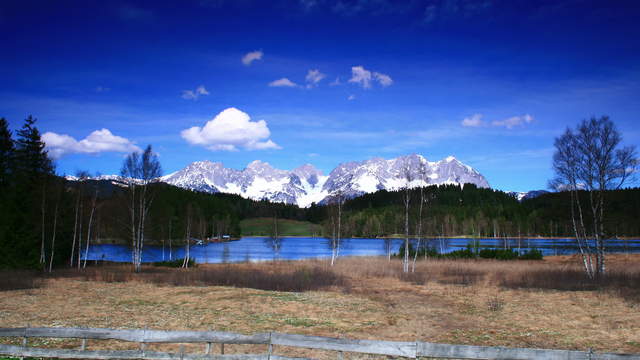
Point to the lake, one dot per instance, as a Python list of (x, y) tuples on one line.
[(262, 249)]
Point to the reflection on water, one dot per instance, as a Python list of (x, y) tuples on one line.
[(261, 249)]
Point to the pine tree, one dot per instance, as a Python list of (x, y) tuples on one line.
[(32, 160), (6, 153), (32, 172)]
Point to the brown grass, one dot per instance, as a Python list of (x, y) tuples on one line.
[(450, 301)]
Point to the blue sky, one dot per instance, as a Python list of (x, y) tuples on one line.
[(317, 81)]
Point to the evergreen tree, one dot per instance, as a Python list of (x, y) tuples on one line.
[(32, 160), (27, 220), (6, 153)]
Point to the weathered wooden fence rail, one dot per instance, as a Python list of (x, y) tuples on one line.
[(390, 348)]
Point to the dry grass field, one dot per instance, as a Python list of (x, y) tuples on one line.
[(544, 304)]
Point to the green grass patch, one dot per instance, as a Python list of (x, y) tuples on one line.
[(286, 227)]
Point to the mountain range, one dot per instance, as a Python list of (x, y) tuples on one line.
[(305, 185)]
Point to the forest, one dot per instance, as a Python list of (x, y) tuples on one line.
[(47, 221)]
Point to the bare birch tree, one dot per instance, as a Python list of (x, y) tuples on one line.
[(424, 200), (94, 200), (57, 190), (139, 171), (590, 160), (408, 178), (82, 176), (187, 246), (336, 222)]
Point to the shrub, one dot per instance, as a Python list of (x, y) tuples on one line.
[(533, 254), (17, 280), (177, 263)]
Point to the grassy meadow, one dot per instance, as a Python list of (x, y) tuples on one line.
[(544, 304), (286, 227)]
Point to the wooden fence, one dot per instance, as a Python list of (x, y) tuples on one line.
[(209, 338)]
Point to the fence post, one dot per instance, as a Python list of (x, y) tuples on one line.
[(25, 340), (181, 351), (83, 344), (222, 348), (209, 347), (269, 348), (143, 345)]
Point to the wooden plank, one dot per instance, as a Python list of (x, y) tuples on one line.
[(448, 351), (611, 356), (146, 336), (8, 332), (391, 348), (87, 333), (162, 336), (12, 350)]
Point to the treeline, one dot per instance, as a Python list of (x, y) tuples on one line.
[(34, 222), (47, 221), (210, 215), (453, 210)]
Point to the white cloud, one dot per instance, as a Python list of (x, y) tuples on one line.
[(252, 56), (513, 121), (365, 78), (335, 82), (98, 141), (314, 77), (351, 97), (360, 75), (230, 130), (100, 89), (474, 120), (194, 94), (384, 79), (284, 82)]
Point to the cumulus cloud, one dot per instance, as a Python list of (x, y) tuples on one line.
[(384, 79), (314, 77), (335, 82), (252, 56), (284, 82), (474, 120), (360, 75), (98, 141), (231, 130), (194, 94), (513, 121), (351, 97), (365, 78)]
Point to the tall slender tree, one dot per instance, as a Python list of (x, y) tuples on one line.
[(590, 159), (32, 169), (6, 153), (140, 171), (408, 178)]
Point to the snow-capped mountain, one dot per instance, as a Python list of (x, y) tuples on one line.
[(305, 184), (258, 180), (527, 195)]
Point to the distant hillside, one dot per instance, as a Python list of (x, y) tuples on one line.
[(286, 227), (453, 210)]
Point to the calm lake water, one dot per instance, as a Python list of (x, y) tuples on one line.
[(261, 249)]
